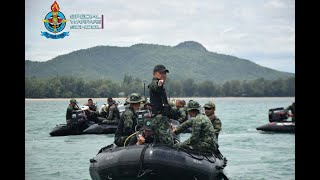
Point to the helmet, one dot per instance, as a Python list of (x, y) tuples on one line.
[(135, 98), (73, 101), (193, 105)]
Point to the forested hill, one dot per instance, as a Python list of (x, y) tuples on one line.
[(188, 59)]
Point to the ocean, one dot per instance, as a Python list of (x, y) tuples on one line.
[(251, 154)]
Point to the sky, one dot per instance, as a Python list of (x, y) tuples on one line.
[(262, 31)]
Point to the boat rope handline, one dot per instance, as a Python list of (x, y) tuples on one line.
[(142, 161), (124, 144), (106, 147), (188, 151), (214, 157)]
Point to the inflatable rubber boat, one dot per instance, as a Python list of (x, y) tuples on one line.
[(284, 126), (155, 161), (101, 129), (79, 123)]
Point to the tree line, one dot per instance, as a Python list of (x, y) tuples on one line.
[(75, 87)]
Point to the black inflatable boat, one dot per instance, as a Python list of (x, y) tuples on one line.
[(101, 129), (155, 161), (284, 126), (78, 124), (81, 125)]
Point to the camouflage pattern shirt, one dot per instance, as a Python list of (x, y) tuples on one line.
[(127, 124), (202, 130), (184, 114), (216, 123)]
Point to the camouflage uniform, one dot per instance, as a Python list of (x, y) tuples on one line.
[(292, 109), (183, 114), (160, 109), (128, 121), (70, 110), (112, 111), (202, 137), (216, 125), (214, 119)]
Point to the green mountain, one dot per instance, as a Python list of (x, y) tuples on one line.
[(186, 60)]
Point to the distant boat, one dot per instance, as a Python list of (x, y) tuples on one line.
[(283, 127), (278, 122), (84, 126)]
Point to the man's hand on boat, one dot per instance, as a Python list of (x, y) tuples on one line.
[(173, 128)]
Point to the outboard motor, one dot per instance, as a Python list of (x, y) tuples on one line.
[(277, 115)]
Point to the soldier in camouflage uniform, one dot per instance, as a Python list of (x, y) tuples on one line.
[(159, 106), (72, 107), (178, 112), (184, 114), (202, 137), (128, 120), (113, 111), (209, 109)]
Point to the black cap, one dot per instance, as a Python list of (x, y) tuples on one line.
[(160, 68)]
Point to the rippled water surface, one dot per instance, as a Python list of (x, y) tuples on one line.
[(251, 154)]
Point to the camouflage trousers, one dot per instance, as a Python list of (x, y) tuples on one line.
[(160, 126), (199, 147)]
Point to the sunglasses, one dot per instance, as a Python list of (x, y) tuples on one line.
[(208, 108)]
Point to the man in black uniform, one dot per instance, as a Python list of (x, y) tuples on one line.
[(159, 106)]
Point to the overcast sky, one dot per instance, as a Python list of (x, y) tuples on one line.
[(262, 31)]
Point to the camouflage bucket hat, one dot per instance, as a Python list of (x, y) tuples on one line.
[(135, 98), (210, 104), (73, 101), (193, 105)]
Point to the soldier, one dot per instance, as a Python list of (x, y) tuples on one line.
[(92, 113), (128, 120), (92, 106), (209, 109), (72, 107), (184, 114), (159, 106), (177, 112), (202, 137), (145, 135), (292, 109)]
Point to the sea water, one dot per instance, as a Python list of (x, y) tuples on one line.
[(251, 154)]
